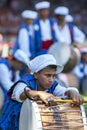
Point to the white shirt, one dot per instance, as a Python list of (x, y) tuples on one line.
[(5, 77), (23, 38), (63, 34), (45, 30), (19, 88)]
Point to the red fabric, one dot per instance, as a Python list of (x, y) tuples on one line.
[(46, 44)]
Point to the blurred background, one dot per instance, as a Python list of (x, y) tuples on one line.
[(10, 18), (10, 14)]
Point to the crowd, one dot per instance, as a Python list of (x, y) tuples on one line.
[(31, 72), (38, 31)]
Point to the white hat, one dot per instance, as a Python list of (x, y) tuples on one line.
[(21, 56), (42, 61), (83, 50), (29, 14), (68, 18), (61, 10), (42, 5)]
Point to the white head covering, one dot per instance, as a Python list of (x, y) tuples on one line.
[(42, 5), (61, 10), (29, 14), (83, 50), (68, 18), (21, 56), (42, 61)]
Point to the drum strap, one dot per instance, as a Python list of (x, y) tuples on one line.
[(71, 32)]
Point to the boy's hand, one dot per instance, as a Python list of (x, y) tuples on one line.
[(75, 96)]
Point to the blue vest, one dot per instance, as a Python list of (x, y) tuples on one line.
[(38, 38), (30, 81), (82, 69), (71, 26), (11, 121), (5, 61), (31, 41)]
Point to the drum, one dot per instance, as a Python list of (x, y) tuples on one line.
[(35, 116), (66, 55), (1, 98)]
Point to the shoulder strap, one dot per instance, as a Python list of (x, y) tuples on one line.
[(71, 31)]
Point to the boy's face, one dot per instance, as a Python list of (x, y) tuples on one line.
[(45, 78), (60, 17), (84, 57), (44, 13), (29, 21), (17, 65)]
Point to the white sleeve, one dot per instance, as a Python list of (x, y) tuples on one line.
[(18, 90), (60, 91), (5, 79), (57, 33), (79, 36), (24, 41)]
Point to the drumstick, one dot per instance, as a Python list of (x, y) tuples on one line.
[(60, 100), (63, 101)]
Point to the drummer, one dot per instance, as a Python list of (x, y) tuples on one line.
[(40, 84), (67, 33), (25, 37), (9, 68), (81, 69), (44, 28)]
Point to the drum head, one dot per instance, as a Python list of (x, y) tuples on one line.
[(61, 52), (29, 116)]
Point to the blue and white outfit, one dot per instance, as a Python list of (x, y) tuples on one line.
[(7, 76), (69, 33), (44, 32), (25, 40), (11, 112), (80, 71), (11, 121)]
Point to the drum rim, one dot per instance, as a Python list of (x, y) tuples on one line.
[(33, 105)]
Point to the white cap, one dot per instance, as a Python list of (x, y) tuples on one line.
[(42, 61), (61, 10), (68, 18), (83, 50), (29, 14), (21, 56), (42, 5)]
